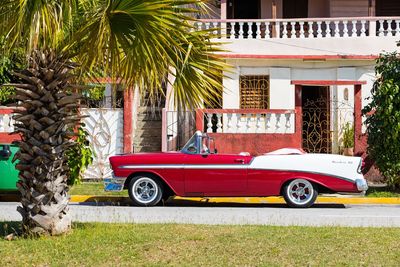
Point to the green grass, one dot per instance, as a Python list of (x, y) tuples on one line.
[(94, 189), (382, 192), (200, 245)]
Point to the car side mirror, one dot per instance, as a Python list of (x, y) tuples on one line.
[(5, 153)]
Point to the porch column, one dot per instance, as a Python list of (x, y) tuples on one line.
[(199, 120), (128, 126), (299, 113), (357, 119), (224, 9), (275, 25)]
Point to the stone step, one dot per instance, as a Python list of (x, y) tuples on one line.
[(147, 149), (148, 117), (149, 110), (141, 125), (148, 132), (146, 140)]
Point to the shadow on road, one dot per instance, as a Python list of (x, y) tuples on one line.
[(189, 203)]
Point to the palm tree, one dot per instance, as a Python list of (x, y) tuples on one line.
[(136, 41)]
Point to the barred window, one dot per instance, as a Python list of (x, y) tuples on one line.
[(254, 92)]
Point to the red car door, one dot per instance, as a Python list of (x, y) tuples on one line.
[(215, 174)]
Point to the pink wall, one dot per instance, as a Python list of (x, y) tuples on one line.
[(255, 144)]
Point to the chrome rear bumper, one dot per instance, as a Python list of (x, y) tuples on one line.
[(361, 184)]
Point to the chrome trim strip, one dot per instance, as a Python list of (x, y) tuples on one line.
[(224, 166), (182, 166)]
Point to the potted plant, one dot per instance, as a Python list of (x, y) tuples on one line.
[(348, 140)]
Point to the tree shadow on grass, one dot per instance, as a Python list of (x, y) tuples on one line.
[(7, 228)]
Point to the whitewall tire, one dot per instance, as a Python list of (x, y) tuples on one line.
[(145, 190), (300, 193)]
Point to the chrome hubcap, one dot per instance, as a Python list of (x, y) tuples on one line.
[(300, 191), (145, 190)]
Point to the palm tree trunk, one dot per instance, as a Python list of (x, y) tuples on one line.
[(46, 115)]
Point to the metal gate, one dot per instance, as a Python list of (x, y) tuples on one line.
[(105, 128), (316, 126), (180, 127)]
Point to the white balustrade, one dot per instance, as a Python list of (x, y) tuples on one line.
[(6, 123), (219, 123), (222, 121), (209, 123), (354, 28), (258, 30), (345, 29), (319, 29), (363, 28), (302, 28)]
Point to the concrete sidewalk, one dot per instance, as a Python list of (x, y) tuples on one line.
[(267, 214)]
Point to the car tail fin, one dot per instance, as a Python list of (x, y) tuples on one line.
[(361, 166)]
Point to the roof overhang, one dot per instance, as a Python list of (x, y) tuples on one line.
[(300, 57), (327, 82)]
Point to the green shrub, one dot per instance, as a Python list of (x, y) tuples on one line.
[(383, 118), (348, 135), (12, 60), (80, 156)]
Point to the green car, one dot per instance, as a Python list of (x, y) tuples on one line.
[(8, 173)]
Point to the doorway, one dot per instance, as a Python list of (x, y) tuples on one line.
[(239, 9), (293, 9), (387, 8), (316, 128)]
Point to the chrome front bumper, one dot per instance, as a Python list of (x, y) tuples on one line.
[(361, 184), (114, 184)]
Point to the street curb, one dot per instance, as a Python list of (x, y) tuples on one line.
[(239, 200), (251, 200)]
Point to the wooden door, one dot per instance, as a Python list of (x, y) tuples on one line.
[(295, 9)]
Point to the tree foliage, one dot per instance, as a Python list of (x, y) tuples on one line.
[(80, 156), (9, 61), (137, 42), (383, 118)]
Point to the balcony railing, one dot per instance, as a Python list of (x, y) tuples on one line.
[(248, 120), (302, 28)]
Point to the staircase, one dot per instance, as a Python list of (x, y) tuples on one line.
[(148, 130)]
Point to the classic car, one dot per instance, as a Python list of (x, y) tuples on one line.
[(199, 171)]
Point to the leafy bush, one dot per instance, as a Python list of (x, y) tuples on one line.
[(383, 118), (348, 135), (80, 156), (5, 95), (9, 62)]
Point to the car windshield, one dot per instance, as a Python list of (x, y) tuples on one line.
[(192, 145)]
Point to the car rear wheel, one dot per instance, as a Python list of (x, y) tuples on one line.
[(145, 190), (300, 193)]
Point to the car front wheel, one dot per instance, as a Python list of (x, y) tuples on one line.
[(145, 190), (300, 193)]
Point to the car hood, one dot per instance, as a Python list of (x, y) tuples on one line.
[(147, 158)]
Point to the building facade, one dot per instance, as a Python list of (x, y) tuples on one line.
[(301, 71)]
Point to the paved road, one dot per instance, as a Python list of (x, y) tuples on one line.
[(319, 215)]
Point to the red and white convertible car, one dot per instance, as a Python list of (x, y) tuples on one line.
[(199, 171)]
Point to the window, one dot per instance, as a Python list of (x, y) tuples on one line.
[(254, 92)]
